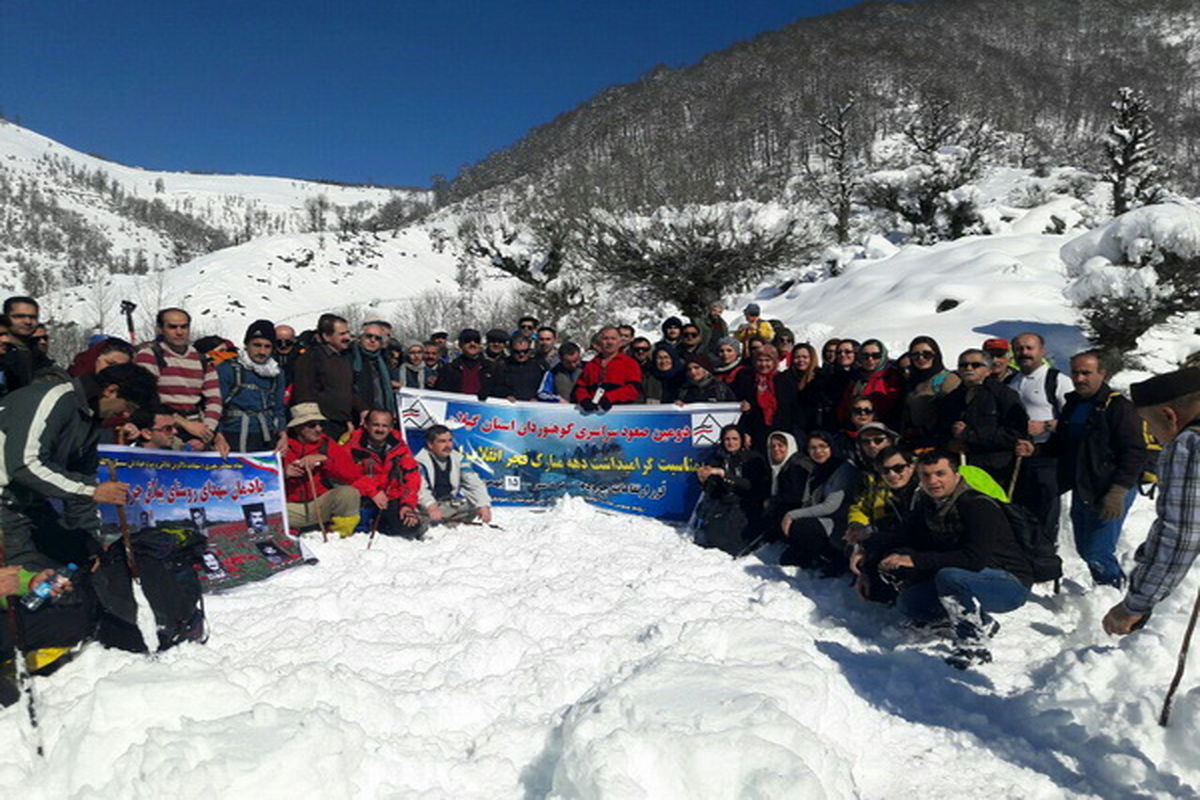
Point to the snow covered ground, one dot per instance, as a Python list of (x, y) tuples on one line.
[(578, 653)]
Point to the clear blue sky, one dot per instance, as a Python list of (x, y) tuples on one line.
[(359, 90)]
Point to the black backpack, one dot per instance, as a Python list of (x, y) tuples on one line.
[(1035, 541)]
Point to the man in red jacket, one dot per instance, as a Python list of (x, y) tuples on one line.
[(389, 480), (611, 378), (315, 463)]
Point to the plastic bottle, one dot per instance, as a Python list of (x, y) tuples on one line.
[(41, 594)]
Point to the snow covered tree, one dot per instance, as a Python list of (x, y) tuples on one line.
[(1130, 149), (690, 255), (837, 184)]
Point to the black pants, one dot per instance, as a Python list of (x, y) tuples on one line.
[(392, 524), (810, 547), (1037, 490)]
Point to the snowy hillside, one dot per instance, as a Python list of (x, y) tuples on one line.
[(578, 654), (289, 278), (60, 208)]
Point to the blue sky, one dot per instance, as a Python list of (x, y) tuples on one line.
[(361, 90)]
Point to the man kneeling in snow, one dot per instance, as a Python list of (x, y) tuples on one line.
[(389, 484), (317, 473), (451, 491), (957, 558)]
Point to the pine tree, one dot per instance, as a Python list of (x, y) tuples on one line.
[(1130, 148)]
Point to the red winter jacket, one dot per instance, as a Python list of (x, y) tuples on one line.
[(394, 473), (337, 468), (621, 379)]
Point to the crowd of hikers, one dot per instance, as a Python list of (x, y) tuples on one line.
[(933, 483)]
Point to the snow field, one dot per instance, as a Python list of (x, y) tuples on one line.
[(578, 653)]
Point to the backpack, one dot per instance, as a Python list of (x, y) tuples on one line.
[(1035, 542), (1050, 388)]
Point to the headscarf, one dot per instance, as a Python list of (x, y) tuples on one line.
[(764, 385), (790, 441), (918, 376), (821, 472), (671, 379), (883, 357)]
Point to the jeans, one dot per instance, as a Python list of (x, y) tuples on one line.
[(1096, 540), (965, 597)]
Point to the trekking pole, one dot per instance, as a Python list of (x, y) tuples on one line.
[(750, 548), (374, 529), (315, 503), (123, 524), (127, 308), (1165, 716), (1012, 482)]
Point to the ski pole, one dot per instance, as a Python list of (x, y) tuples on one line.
[(374, 528), (315, 503), (1012, 482), (1165, 716), (123, 524)]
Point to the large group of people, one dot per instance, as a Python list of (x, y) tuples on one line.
[(934, 485)]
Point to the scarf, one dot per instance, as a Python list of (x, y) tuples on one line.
[(764, 386), (267, 369), (787, 459)]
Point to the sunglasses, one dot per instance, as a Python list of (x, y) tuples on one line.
[(861, 410), (921, 354), (284, 344), (895, 469), (639, 349), (313, 424), (521, 353), (691, 334), (374, 337), (874, 439), (845, 352), (972, 365), (470, 341), (867, 356), (526, 327)]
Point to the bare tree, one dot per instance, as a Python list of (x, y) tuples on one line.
[(836, 184)]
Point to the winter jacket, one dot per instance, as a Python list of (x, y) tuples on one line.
[(712, 330), (417, 376), (1109, 450), (967, 530), (876, 504), (326, 377), (753, 420), (464, 481), (827, 495), (620, 378), (338, 467), (995, 419), (252, 400), (748, 330), (885, 388), (558, 382), (391, 470), (372, 379), (48, 451), (919, 412), (728, 374), (511, 377), (709, 390), (731, 506), (465, 376)]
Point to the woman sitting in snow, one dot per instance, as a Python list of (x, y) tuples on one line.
[(789, 472), (735, 482), (814, 531)]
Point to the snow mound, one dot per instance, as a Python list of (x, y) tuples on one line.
[(1138, 237), (579, 653)]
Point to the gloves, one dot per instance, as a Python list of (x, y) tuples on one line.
[(605, 403), (857, 533), (587, 405), (1112, 506)]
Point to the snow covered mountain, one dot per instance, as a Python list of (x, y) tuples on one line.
[(68, 218)]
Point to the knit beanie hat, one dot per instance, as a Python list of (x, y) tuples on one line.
[(260, 329), (699, 358)]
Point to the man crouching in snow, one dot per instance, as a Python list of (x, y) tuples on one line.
[(1170, 405), (957, 558), (451, 491)]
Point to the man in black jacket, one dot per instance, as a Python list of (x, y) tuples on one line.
[(325, 375), (982, 419), (956, 558), (1101, 452), (518, 377), (470, 372)]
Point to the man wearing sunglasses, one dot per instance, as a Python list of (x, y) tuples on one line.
[(286, 350), (470, 372), (372, 372), (982, 419), (318, 475)]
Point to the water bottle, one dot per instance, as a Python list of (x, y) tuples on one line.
[(40, 594)]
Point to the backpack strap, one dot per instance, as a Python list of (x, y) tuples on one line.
[(1052, 391)]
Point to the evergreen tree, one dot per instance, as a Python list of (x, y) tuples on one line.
[(1130, 149)]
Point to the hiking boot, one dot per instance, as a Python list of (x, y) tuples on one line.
[(965, 657)]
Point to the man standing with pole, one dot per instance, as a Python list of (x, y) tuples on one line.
[(1170, 405)]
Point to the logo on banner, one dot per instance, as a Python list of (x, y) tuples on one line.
[(419, 413), (706, 430)]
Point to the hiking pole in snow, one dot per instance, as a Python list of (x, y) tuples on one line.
[(1012, 482), (374, 529), (20, 667), (127, 308), (315, 503), (1165, 716), (750, 548), (123, 523)]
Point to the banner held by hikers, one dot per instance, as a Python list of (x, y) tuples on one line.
[(235, 504), (636, 458)]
